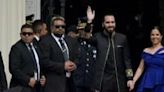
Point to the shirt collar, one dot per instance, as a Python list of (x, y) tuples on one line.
[(36, 37), (57, 38)]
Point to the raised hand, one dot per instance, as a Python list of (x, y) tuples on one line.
[(90, 14)]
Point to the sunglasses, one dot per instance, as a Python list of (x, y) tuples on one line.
[(60, 26), (27, 33)]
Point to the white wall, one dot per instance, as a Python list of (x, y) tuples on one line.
[(33, 7), (12, 16)]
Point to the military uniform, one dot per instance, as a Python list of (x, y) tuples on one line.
[(84, 72)]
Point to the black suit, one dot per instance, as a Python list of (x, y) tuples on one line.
[(21, 65), (3, 82), (111, 73), (54, 62)]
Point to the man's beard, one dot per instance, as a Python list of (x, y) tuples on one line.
[(58, 35), (110, 29)]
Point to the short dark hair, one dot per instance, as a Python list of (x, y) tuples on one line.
[(36, 26), (108, 14), (26, 26)]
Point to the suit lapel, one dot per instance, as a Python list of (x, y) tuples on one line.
[(69, 45), (26, 52), (67, 42), (37, 49), (56, 46)]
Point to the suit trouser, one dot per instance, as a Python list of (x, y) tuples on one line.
[(83, 89), (38, 87), (70, 87), (109, 84)]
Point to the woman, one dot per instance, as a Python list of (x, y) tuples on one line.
[(151, 66)]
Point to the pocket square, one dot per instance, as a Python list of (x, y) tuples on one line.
[(119, 46)]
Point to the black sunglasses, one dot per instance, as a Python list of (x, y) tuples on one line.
[(60, 26), (27, 33)]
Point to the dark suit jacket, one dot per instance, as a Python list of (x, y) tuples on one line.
[(54, 62), (122, 59), (21, 64), (3, 81)]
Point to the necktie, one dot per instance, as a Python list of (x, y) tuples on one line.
[(64, 50), (65, 54), (36, 71)]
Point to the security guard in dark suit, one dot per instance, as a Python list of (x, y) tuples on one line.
[(3, 81)]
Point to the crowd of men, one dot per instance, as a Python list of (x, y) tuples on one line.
[(75, 62)]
